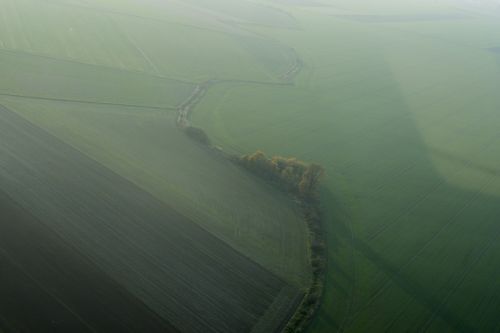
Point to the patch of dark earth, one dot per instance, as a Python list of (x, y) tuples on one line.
[(48, 286), (191, 279)]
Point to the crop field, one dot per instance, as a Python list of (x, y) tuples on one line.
[(398, 101), (116, 136), (26, 75), (97, 34), (33, 256), (92, 165), (402, 110), (144, 245)]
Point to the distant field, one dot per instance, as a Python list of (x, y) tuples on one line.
[(197, 54), (31, 76), (113, 34), (55, 30)]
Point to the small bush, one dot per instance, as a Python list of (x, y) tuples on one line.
[(198, 135)]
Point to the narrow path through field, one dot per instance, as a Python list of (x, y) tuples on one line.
[(185, 108), (18, 52), (89, 102)]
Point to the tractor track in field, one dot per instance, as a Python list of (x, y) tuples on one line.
[(94, 65), (456, 284), (185, 109), (68, 100), (450, 221)]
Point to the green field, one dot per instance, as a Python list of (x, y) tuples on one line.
[(398, 101), (402, 110)]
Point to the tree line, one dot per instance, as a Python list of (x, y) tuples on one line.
[(290, 173), (302, 180)]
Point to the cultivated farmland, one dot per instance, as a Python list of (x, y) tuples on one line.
[(115, 136), (169, 263), (31, 256), (402, 110), (92, 161), (398, 102)]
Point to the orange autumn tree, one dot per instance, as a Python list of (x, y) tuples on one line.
[(292, 174)]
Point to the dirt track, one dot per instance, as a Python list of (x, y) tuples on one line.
[(184, 110)]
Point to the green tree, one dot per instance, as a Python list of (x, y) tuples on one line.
[(292, 174), (310, 180)]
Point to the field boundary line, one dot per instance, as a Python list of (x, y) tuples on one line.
[(89, 102), (83, 63)]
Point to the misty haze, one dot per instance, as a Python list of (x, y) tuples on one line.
[(249, 166)]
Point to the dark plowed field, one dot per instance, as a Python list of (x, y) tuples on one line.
[(85, 246), (47, 286)]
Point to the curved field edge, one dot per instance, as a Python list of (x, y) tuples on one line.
[(144, 64), (59, 119), (303, 310), (230, 204), (306, 308), (121, 39), (121, 151), (406, 196)]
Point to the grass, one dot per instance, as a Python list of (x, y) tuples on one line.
[(54, 30), (120, 35), (52, 79), (192, 53), (403, 116)]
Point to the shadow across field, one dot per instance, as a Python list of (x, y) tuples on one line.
[(343, 278), (377, 249), (412, 287)]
